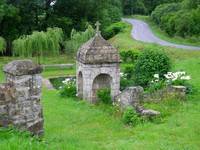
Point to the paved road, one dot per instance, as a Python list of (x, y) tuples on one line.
[(142, 32)]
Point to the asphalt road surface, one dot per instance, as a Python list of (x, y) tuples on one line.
[(142, 32)]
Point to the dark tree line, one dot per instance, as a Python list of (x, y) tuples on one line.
[(22, 17), (131, 7)]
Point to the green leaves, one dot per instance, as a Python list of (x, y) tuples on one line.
[(180, 19), (151, 62), (78, 38), (2, 45), (39, 43)]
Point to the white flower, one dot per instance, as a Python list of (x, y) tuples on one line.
[(169, 75), (66, 81), (156, 76), (185, 78)]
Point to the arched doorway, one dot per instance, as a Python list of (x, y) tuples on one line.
[(80, 85), (100, 82)]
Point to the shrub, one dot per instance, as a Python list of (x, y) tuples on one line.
[(179, 19), (104, 95), (126, 78), (151, 62), (129, 71), (114, 29), (163, 10), (69, 88), (129, 56), (130, 116), (124, 83), (154, 86)]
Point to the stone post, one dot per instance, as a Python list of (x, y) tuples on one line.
[(21, 100)]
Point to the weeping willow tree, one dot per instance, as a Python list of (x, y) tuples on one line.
[(78, 38), (2, 45), (39, 44)]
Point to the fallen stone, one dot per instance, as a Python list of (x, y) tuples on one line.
[(150, 112)]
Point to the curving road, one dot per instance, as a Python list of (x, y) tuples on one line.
[(142, 32)]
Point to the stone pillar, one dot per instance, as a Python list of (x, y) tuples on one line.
[(23, 103)]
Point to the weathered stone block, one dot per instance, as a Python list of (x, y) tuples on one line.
[(130, 96)]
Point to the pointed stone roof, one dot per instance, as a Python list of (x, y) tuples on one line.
[(97, 51)]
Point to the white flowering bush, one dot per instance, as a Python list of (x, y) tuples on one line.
[(69, 88), (177, 78), (171, 78)]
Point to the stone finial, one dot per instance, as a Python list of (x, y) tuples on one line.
[(98, 28)]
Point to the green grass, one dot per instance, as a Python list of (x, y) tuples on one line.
[(49, 72), (163, 35), (72, 124)]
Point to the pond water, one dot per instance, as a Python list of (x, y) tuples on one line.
[(58, 82)]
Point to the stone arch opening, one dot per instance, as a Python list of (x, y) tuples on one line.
[(80, 85), (101, 81)]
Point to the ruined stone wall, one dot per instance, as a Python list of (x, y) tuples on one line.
[(20, 97)]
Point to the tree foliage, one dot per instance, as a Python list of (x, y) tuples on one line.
[(39, 43), (151, 62), (131, 7), (22, 17), (179, 19), (2, 45), (78, 38)]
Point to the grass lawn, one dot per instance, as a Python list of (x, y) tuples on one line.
[(163, 35), (49, 72), (72, 124)]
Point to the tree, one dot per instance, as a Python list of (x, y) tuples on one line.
[(131, 7), (2, 45), (39, 44), (9, 21)]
